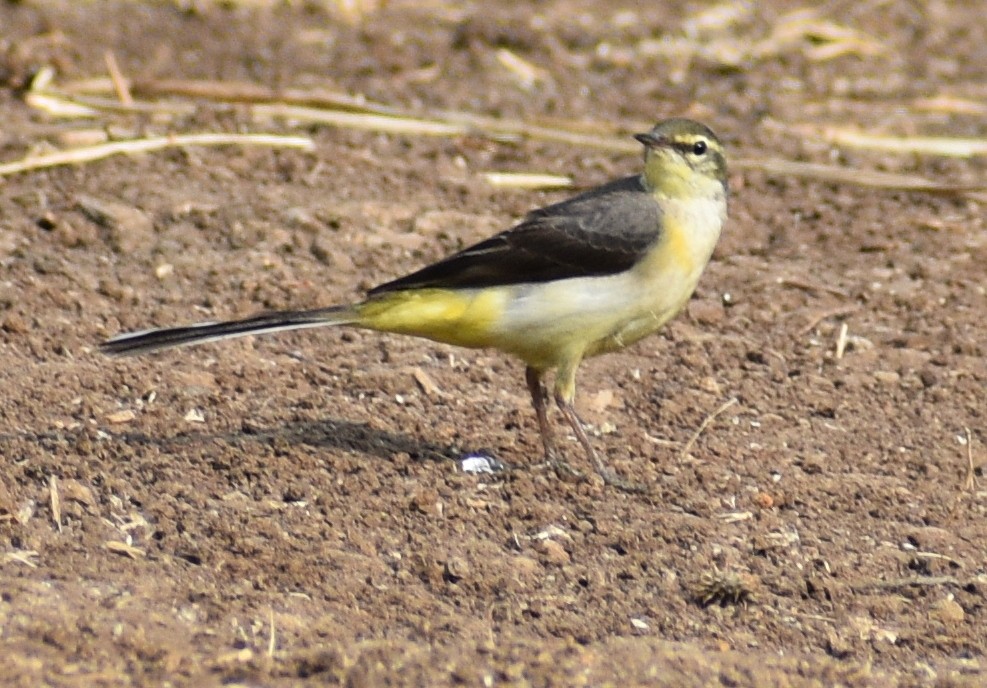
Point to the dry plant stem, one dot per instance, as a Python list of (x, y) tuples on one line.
[(805, 285), (843, 175), (897, 583), (247, 92), (830, 313), (526, 180), (841, 341), (951, 105), (86, 154), (119, 82), (56, 502), (413, 126), (705, 424), (272, 641), (900, 145), (970, 484)]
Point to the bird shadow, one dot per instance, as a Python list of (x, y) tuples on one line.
[(340, 435)]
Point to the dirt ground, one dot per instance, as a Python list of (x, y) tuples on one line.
[(291, 509)]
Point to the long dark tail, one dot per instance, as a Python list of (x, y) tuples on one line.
[(152, 340)]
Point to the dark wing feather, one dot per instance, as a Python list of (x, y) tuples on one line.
[(601, 232)]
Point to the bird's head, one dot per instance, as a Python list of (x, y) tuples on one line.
[(683, 159)]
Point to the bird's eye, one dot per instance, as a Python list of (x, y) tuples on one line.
[(699, 148)]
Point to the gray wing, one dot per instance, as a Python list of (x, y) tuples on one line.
[(601, 232)]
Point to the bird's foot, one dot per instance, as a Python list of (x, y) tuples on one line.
[(565, 471), (611, 479)]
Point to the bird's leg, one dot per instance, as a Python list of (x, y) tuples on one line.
[(569, 413), (538, 399), (565, 394)]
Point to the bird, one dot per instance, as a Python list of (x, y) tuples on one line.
[(582, 277)]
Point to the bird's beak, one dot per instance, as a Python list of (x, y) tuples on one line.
[(651, 141)]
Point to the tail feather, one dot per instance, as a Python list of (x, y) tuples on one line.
[(152, 340)]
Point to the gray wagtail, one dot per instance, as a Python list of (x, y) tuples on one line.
[(579, 278)]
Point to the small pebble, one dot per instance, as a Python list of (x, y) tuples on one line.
[(481, 463)]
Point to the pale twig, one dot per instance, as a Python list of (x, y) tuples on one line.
[(526, 180), (937, 556), (22, 556), (970, 484), (56, 501), (417, 126), (124, 548), (527, 74), (91, 106), (248, 92), (272, 641), (57, 106), (705, 424), (898, 583), (837, 312), (950, 104), (805, 285), (86, 154), (842, 175), (119, 82), (900, 145), (841, 341)]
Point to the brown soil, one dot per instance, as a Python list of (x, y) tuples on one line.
[(290, 509)]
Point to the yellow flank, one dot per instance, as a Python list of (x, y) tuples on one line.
[(674, 251), (462, 317)]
